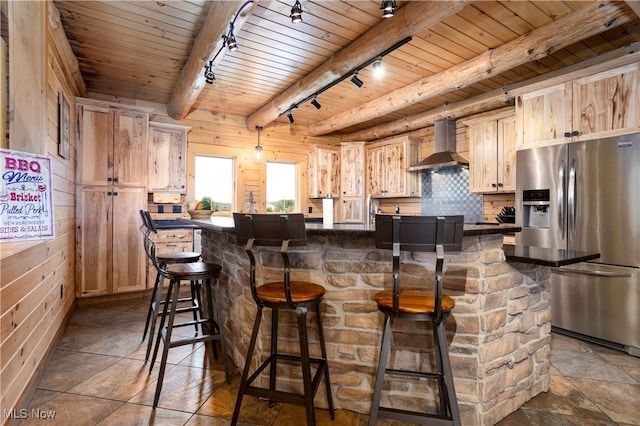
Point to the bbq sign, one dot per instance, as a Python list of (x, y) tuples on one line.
[(26, 202)]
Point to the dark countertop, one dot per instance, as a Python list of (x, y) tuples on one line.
[(221, 223), (173, 224), (546, 256)]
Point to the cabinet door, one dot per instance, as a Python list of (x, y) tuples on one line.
[(483, 141), (130, 148), (94, 239), (129, 259), (95, 145), (395, 170), (375, 171), (506, 160), (328, 173), (352, 210), (544, 116), (352, 166), (167, 166), (607, 104)]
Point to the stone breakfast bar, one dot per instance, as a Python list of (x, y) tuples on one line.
[(499, 333)]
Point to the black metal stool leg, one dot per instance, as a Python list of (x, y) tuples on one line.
[(163, 318), (247, 366), (274, 350), (382, 365), (151, 310), (167, 337), (301, 313), (442, 388), (448, 375), (323, 350), (155, 306)]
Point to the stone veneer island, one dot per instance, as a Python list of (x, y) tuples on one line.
[(499, 333)]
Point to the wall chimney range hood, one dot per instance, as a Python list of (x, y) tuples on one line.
[(445, 154)]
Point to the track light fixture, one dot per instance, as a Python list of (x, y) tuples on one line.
[(387, 7), (258, 148), (355, 80), (296, 12), (290, 117), (315, 102), (209, 77), (230, 39)]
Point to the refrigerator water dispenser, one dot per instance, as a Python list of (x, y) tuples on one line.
[(536, 208)]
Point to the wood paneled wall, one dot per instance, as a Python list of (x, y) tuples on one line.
[(37, 284)]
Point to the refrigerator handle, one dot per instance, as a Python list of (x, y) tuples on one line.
[(571, 201), (560, 199), (597, 273)]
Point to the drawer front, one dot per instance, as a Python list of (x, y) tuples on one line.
[(174, 236)]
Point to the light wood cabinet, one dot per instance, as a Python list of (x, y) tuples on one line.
[(323, 177), (169, 241), (352, 183), (387, 164), (599, 105), (110, 255), (112, 144), (492, 149), (111, 190), (167, 166)]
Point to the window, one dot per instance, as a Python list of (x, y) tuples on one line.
[(281, 187), (214, 179)]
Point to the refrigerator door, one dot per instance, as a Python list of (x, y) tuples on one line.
[(600, 301), (603, 198), (541, 174)]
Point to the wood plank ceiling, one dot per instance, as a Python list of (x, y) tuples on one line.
[(140, 49)]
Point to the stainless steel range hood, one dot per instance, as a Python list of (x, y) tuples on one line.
[(445, 154)]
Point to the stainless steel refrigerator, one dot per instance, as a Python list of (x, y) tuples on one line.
[(586, 196)]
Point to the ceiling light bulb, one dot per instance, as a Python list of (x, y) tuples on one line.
[(315, 103), (378, 70), (296, 12), (355, 80), (387, 7)]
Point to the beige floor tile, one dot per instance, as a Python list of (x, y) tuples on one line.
[(143, 415), (59, 377), (619, 401), (73, 410)]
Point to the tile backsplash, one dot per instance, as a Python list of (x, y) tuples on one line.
[(446, 192)]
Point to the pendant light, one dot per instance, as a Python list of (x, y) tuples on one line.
[(258, 149)]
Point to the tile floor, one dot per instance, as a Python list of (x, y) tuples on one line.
[(98, 377)]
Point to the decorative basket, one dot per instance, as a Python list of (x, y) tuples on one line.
[(200, 214)]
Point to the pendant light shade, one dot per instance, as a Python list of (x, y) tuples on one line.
[(258, 148), (296, 12)]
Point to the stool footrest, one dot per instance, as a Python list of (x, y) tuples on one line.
[(413, 417), (426, 375), (287, 397)]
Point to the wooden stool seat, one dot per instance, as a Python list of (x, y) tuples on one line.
[(301, 292), (178, 257), (418, 302), (193, 271)]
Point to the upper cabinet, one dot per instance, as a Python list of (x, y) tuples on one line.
[(492, 150), (324, 172), (387, 164), (112, 142), (167, 158), (599, 105)]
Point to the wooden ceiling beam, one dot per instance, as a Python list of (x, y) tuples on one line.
[(590, 20), (410, 20), (208, 42), (62, 43)]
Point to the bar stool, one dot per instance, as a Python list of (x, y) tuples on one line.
[(192, 272), (286, 230), (417, 234), (159, 261)]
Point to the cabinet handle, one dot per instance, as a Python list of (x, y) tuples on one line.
[(109, 179), (115, 193), (109, 193), (493, 185), (115, 179), (500, 185), (567, 134), (575, 133)]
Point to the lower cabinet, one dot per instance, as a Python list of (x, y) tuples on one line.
[(169, 241), (109, 244)]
